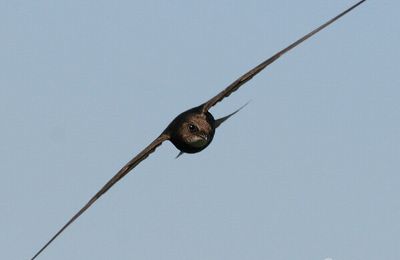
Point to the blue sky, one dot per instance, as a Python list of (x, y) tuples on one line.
[(308, 170)]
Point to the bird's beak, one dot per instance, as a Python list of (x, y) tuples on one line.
[(203, 136)]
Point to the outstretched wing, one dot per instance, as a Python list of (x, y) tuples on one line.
[(120, 174), (251, 73)]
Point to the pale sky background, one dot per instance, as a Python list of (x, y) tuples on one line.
[(309, 170)]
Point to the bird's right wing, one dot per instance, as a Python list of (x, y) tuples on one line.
[(120, 174)]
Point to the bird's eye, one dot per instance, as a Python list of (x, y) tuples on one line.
[(193, 128)]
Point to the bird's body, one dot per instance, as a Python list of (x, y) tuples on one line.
[(193, 130)]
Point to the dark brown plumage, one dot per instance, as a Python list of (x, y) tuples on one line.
[(194, 129)]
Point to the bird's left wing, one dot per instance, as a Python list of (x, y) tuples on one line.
[(251, 73), (120, 174)]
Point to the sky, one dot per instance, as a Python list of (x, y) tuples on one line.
[(308, 170)]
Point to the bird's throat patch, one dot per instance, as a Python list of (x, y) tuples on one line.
[(198, 143)]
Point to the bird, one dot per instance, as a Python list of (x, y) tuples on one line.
[(193, 130)]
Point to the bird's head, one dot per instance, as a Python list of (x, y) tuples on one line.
[(192, 131)]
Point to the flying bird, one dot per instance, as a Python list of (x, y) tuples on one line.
[(193, 130)]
